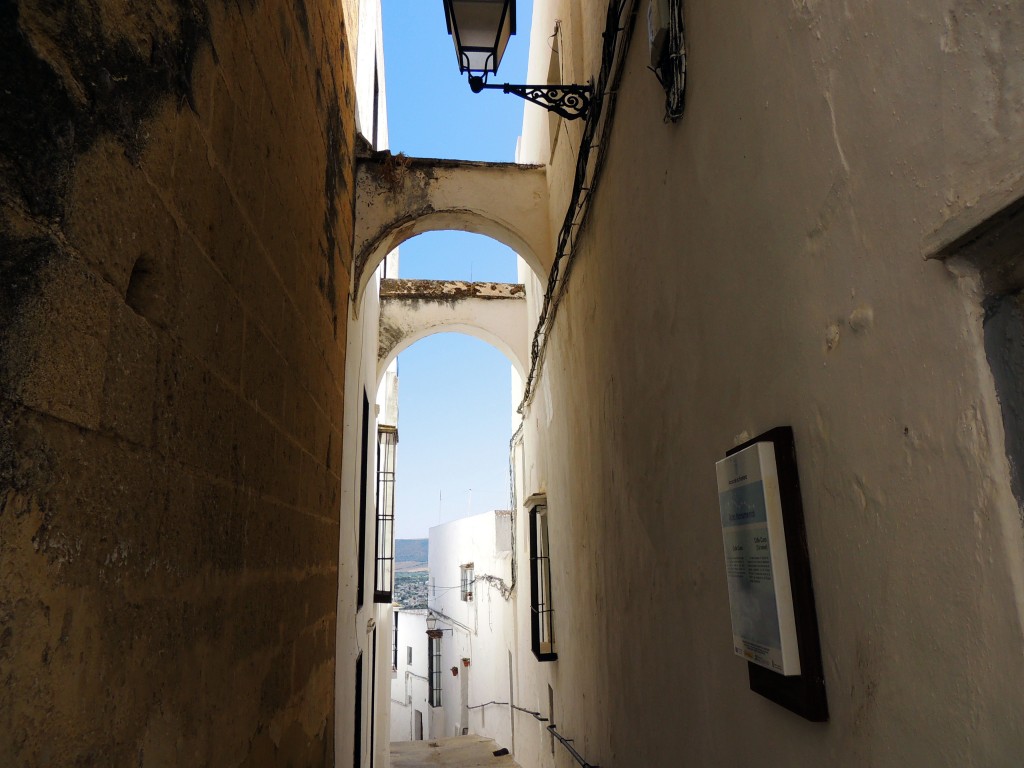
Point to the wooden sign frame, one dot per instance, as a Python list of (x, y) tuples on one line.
[(803, 694)]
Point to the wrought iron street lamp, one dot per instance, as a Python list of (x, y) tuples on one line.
[(432, 629), (480, 30)]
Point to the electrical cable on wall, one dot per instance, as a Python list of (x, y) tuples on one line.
[(497, 582), (513, 503), (621, 18)]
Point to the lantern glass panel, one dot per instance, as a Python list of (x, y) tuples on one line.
[(481, 29)]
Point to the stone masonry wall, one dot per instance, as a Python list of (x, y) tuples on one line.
[(175, 229)]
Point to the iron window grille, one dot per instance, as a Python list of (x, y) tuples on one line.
[(466, 582), (434, 666), (542, 629), (383, 579)]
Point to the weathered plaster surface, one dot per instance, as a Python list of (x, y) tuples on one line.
[(411, 310), (398, 197), (448, 290), (760, 263), (175, 229)]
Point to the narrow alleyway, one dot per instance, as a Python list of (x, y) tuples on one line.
[(454, 752)]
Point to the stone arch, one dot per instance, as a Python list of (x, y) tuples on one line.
[(476, 332), (437, 221), (411, 310), (398, 198)]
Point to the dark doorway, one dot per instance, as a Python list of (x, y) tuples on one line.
[(357, 740)]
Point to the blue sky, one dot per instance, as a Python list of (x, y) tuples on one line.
[(454, 391)]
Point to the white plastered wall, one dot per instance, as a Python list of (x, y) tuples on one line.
[(358, 626), (761, 263), (481, 628), (410, 686), (369, 54)]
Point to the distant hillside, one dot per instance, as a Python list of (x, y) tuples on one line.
[(411, 550)]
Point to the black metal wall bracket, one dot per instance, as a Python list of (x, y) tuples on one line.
[(569, 101)]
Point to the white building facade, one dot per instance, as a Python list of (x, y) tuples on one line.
[(412, 717), (470, 593), (454, 665)]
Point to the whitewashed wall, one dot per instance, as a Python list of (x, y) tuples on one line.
[(355, 626), (355, 631), (369, 59), (762, 263), (481, 628), (409, 685)]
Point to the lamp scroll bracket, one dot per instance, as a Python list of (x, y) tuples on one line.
[(569, 101)]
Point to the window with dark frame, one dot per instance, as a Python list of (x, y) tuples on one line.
[(376, 106), (408, 655), (551, 717), (434, 666), (364, 467), (383, 577), (372, 746), (357, 726), (542, 632), (466, 582), (993, 247)]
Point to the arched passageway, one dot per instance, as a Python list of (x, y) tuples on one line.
[(411, 310), (398, 198)]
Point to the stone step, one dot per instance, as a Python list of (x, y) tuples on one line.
[(453, 751)]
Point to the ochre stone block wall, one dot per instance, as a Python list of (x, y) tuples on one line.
[(175, 229)]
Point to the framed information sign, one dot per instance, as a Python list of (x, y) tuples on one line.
[(771, 600), (756, 566)]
